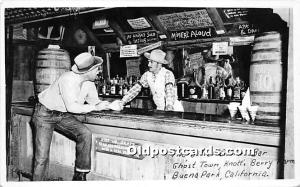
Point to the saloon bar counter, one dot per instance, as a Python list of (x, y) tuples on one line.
[(219, 57), (113, 132)]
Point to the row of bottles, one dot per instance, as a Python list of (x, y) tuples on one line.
[(232, 89), (116, 85)]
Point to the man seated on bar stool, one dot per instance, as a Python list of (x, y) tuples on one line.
[(161, 82), (74, 92)]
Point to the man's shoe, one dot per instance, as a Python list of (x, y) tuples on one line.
[(79, 176)]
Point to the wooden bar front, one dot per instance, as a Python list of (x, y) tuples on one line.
[(253, 151)]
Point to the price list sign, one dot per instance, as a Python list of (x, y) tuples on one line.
[(128, 51)]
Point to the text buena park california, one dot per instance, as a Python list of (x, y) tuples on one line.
[(179, 151)]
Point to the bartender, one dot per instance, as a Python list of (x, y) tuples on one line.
[(160, 81)]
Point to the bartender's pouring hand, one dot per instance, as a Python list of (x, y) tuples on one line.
[(116, 105), (103, 105)]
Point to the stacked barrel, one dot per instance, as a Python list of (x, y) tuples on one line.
[(266, 76), (50, 64)]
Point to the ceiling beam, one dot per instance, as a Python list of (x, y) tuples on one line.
[(217, 20), (118, 30), (158, 25), (92, 36), (154, 21)]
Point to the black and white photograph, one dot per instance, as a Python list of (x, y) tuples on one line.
[(183, 93)]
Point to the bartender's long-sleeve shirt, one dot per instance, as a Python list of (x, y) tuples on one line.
[(161, 86)]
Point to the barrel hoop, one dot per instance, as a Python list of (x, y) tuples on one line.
[(273, 35), (268, 117), (272, 119), (266, 98), (53, 50), (266, 55), (261, 113), (267, 106), (57, 57), (264, 93), (47, 67), (52, 54), (266, 50), (267, 62), (267, 45), (37, 83)]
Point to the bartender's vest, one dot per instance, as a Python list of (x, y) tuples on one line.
[(157, 85)]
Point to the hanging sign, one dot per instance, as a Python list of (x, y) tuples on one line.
[(149, 47), (186, 20), (133, 67), (100, 23), (245, 40), (192, 34), (235, 12), (220, 48), (138, 23), (141, 37), (128, 51)]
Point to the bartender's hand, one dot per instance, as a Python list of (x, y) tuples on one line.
[(116, 105), (103, 105), (169, 108)]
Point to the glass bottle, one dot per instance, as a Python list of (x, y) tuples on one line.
[(100, 85), (116, 80), (204, 88), (243, 89), (217, 87), (108, 84), (211, 89), (222, 92), (104, 86), (193, 87), (182, 88), (113, 87), (237, 89), (120, 86), (229, 91), (125, 88)]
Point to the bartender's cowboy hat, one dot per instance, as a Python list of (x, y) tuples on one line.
[(157, 56), (85, 62)]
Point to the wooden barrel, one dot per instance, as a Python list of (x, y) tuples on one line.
[(50, 64), (266, 76)]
